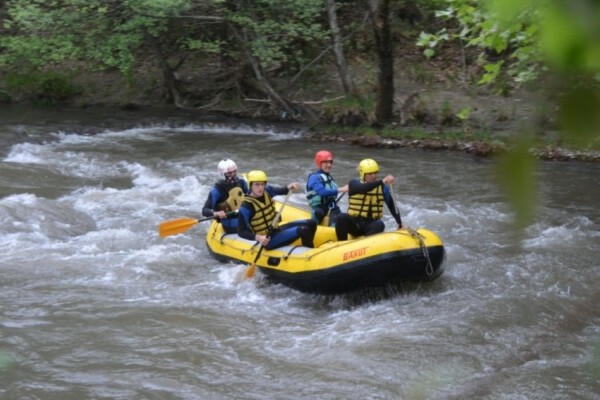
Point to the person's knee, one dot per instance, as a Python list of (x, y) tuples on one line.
[(342, 219), (306, 235), (376, 227), (319, 214), (341, 226)]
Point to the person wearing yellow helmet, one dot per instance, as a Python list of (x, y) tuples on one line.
[(225, 196), (322, 190), (366, 197), (257, 212)]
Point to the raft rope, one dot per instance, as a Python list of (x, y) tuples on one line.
[(417, 236)]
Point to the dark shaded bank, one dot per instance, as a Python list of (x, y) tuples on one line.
[(97, 119)]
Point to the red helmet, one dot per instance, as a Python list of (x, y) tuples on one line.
[(323, 155)]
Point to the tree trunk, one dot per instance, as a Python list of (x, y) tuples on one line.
[(379, 13), (169, 79), (338, 49), (260, 78)]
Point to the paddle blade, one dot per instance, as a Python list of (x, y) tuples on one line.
[(250, 270), (176, 226)]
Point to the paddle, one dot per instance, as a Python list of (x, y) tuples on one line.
[(339, 198), (332, 215), (180, 225), (252, 267), (393, 198)]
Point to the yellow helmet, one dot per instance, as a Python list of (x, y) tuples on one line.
[(367, 166), (256, 176)]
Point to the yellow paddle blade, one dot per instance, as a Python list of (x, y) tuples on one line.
[(250, 270), (252, 267), (176, 226)]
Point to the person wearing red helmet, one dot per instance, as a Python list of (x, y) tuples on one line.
[(226, 195), (321, 189)]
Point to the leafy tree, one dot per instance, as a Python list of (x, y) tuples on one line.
[(266, 35), (530, 40), (105, 33), (338, 49), (379, 11)]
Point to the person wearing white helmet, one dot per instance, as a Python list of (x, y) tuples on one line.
[(226, 196), (322, 190), (257, 213), (366, 196)]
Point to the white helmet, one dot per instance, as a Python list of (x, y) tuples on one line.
[(226, 165)]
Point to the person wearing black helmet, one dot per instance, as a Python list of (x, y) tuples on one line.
[(322, 191), (366, 197), (257, 213), (226, 196)]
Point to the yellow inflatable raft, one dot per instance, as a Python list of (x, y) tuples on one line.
[(334, 267)]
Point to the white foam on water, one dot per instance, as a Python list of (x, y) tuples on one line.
[(160, 132), (146, 176), (90, 259), (577, 228), (241, 129), (26, 153)]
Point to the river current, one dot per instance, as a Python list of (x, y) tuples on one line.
[(95, 305)]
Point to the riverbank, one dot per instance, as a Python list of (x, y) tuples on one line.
[(91, 120), (435, 109), (478, 148)]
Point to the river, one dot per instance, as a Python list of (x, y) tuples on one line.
[(95, 305)]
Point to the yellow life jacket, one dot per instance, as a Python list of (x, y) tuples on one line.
[(367, 205), (264, 214), (233, 201)]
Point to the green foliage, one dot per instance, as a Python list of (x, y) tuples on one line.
[(530, 35), (580, 117), (350, 110), (111, 34), (464, 114), (104, 35), (516, 174), (447, 114), (521, 39), (492, 71), (212, 47), (42, 87), (279, 32), (479, 27)]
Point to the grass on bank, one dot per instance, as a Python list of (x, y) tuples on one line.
[(503, 141), (391, 132)]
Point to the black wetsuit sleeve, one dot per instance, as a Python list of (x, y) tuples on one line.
[(356, 186), (277, 190), (389, 201), (207, 210), (244, 216)]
